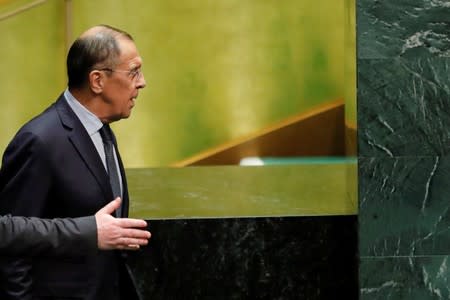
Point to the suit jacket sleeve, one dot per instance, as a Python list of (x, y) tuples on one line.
[(34, 236), (25, 183)]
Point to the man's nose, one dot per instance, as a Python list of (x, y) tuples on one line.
[(141, 82)]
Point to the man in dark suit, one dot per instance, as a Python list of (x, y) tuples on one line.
[(71, 236), (65, 163)]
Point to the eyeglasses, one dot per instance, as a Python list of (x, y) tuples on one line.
[(135, 74)]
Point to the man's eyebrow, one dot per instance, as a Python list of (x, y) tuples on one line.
[(135, 65)]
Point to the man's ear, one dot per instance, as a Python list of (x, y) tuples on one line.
[(96, 78)]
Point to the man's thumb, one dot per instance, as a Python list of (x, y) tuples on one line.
[(111, 206)]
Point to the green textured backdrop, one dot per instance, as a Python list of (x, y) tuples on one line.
[(216, 70)]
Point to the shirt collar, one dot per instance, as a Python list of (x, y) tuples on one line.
[(90, 121)]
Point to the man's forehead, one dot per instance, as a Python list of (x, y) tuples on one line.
[(129, 54), (131, 61)]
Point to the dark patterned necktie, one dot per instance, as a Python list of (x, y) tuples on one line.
[(111, 166)]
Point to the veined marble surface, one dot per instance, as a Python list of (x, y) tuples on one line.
[(403, 106), (249, 258), (407, 28), (400, 278), (404, 142), (404, 207)]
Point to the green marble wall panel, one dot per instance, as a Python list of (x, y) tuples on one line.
[(200, 192), (404, 208), (403, 139), (407, 28), (403, 106), (401, 278)]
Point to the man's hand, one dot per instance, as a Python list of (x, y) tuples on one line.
[(118, 233)]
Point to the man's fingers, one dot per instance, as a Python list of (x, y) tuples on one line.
[(130, 223), (127, 247), (125, 242), (135, 233), (111, 206), (132, 247)]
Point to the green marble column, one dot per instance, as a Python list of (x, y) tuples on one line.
[(403, 139)]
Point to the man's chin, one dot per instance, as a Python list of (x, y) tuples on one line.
[(126, 115), (120, 117)]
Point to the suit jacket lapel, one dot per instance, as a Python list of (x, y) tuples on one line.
[(83, 144)]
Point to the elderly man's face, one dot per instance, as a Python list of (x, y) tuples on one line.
[(121, 88)]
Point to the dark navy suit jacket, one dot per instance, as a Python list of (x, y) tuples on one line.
[(52, 169)]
